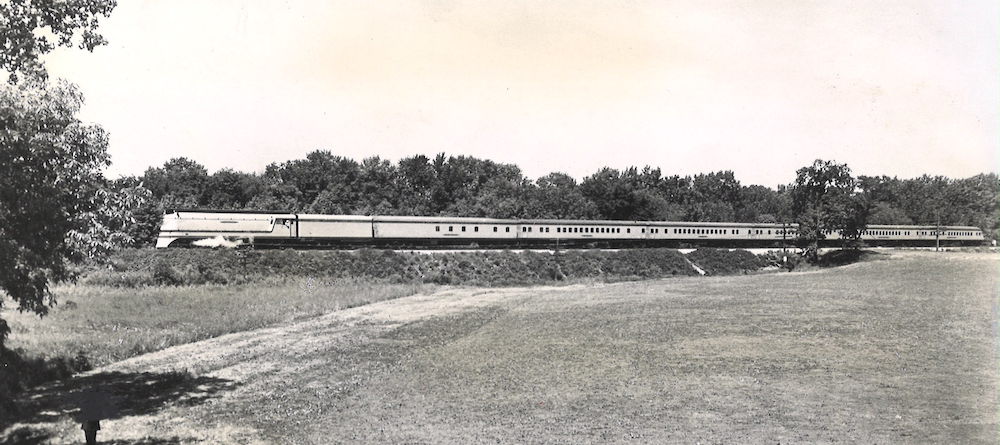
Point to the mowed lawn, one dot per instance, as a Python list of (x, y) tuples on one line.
[(898, 350)]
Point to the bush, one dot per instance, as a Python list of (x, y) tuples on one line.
[(164, 274), (726, 262)]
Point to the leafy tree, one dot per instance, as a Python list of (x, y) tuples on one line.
[(416, 182), (762, 204), (32, 28), (321, 172), (558, 196), (823, 201), (181, 182), (229, 189), (611, 193), (497, 198), (56, 208), (461, 178), (276, 193), (377, 187)]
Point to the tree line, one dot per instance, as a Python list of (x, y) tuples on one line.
[(825, 193)]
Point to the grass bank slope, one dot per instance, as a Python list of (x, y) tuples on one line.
[(147, 267), (896, 351)]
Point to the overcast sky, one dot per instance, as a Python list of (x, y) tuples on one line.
[(758, 87)]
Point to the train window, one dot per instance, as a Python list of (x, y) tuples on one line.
[(495, 228), (463, 228), (628, 230), (437, 228), (475, 229), (451, 228), (508, 229), (643, 230)]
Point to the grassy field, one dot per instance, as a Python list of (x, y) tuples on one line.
[(107, 324), (901, 350)]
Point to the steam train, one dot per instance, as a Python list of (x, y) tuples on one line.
[(210, 228)]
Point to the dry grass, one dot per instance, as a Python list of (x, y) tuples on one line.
[(896, 351)]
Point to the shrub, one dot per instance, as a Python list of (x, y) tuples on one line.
[(726, 262), (164, 274)]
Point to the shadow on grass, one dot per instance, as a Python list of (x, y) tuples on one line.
[(31, 436), (129, 394)]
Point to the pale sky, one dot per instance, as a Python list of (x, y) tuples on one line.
[(762, 88)]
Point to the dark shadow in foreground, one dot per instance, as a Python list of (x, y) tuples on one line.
[(132, 394)]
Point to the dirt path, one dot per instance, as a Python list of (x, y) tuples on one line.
[(246, 369)]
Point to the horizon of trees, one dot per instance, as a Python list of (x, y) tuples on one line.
[(467, 186)]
